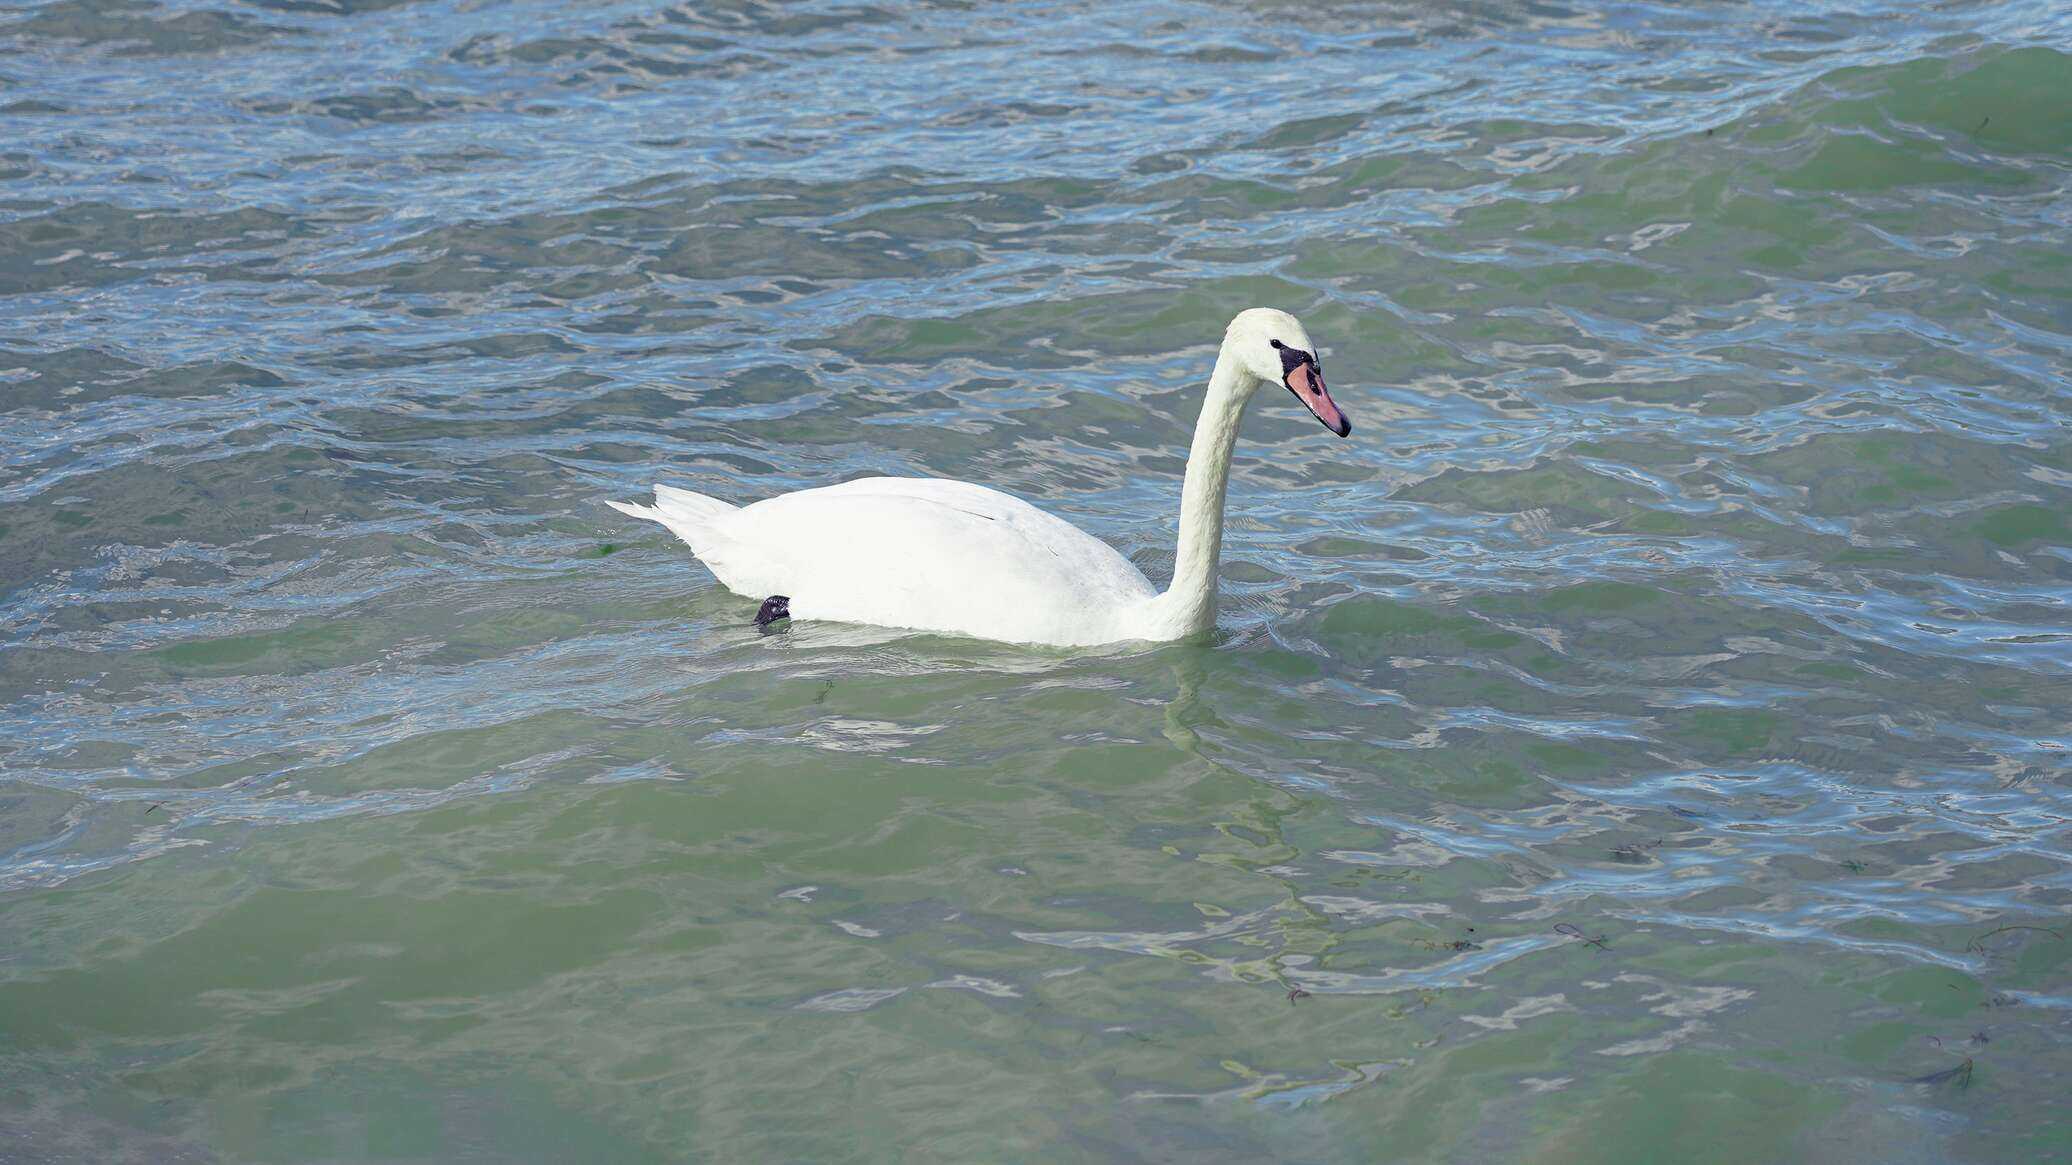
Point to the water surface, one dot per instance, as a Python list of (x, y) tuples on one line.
[(1645, 740)]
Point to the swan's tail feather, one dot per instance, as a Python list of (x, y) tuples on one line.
[(683, 504), (688, 515)]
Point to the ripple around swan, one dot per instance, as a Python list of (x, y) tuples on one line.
[(1663, 696)]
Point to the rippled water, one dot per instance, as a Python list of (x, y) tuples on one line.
[(1645, 740)]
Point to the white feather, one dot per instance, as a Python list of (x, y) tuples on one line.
[(952, 556)]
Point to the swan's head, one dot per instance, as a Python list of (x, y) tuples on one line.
[(1272, 346)]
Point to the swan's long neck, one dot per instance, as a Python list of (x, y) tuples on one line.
[(1190, 602)]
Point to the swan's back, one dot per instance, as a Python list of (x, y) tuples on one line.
[(929, 554)]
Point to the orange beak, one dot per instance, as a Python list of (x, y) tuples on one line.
[(1306, 381)]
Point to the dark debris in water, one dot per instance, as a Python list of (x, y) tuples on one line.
[(1295, 993), (1960, 1076), (1459, 944), (1575, 932), (1978, 944), (1634, 853)]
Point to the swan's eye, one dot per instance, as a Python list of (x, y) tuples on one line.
[(1275, 343)]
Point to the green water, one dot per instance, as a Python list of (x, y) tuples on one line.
[(1645, 740)]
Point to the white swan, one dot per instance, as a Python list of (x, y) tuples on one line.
[(950, 556)]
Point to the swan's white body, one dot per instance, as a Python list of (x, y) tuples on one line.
[(951, 556), (916, 552)]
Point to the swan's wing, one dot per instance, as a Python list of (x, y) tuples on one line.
[(913, 552), (979, 498)]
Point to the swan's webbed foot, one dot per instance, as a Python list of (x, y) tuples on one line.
[(774, 608)]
